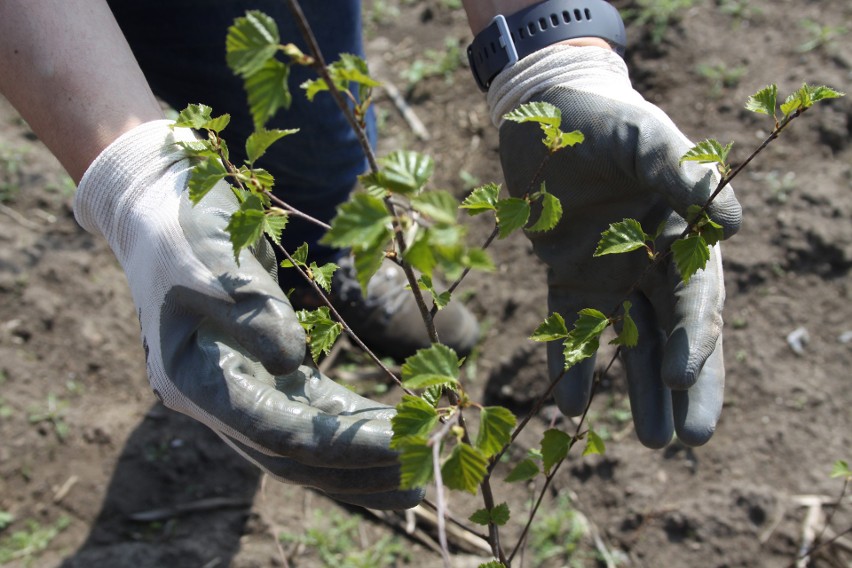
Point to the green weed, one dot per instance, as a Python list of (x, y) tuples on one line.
[(556, 536), (721, 77), (820, 36), (337, 541), (26, 544), (435, 63), (658, 16), (11, 160)]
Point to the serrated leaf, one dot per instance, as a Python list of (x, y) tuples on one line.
[(806, 96), (690, 255), (251, 41), (594, 444), (555, 139), (629, 336), (274, 222), (420, 255), (260, 140), (539, 112), (512, 214), (434, 365), (323, 274), (526, 469), (621, 237), (359, 224), (823, 92), (246, 225), (584, 339), (405, 171), (322, 331), (499, 515), (415, 462), (204, 176), (440, 206), (841, 469), (465, 469), (433, 395), (299, 256), (367, 263), (482, 199), (551, 213), (492, 564), (764, 101), (554, 447), (348, 69), (477, 259), (268, 91), (194, 116), (708, 152), (551, 329), (495, 429), (414, 417)]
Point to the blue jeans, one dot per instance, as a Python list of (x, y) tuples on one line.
[(180, 46)]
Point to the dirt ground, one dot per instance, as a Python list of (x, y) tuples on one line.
[(94, 472)]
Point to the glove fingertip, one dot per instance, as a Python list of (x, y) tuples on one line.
[(387, 501), (573, 391)]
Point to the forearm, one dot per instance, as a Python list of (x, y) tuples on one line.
[(67, 69)]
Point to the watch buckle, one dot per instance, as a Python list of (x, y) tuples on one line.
[(506, 40)]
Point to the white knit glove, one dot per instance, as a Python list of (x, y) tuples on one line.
[(222, 342), (626, 167)]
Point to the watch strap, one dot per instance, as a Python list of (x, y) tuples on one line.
[(508, 39)]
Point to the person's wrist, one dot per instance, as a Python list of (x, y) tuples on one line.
[(587, 42)]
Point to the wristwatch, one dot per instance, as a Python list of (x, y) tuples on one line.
[(508, 39)]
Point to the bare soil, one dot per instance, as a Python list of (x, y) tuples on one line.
[(85, 446)]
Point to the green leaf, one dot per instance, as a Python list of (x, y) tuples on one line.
[(805, 98), (360, 223), (621, 237), (6, 519), (322, 274), (708, 152), (554, 447), (526, 469), (367, 263), (274, 222), (499, 515), (299, 256), (441, 299), (414, 418), (822, 93), (482, 199), (435, 365), (512, 214), (260, 140), (348, 69), (629, 336), (267, 91), (594, 444), (690, 255), (555, 139), (841, 469), (251, 42), (198, 117), (764, 101), (551, 212), (583, 341), (204, 176), (492, 564), (415, 462), (246, 225), (551, 329), (406, 172), (495, 429), (477, 259), (440, 206), (420, 254), (465, 469), (322, 331), (539, 112)]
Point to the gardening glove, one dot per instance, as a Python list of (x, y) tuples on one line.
[(222, 343), (627, 167)]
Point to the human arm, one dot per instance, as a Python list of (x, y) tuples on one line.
[(628, 166), (221, 341)]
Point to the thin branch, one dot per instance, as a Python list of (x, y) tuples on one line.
[(297, 213)]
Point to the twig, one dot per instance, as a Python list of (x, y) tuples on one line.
[(200, 506), (62, 492), (813, 518), (18, 218), (408, 114)]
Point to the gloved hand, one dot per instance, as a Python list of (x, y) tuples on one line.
[(222, 343), (626, 167)]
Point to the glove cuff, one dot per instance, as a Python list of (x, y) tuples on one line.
[(587, 68), (123, 171)]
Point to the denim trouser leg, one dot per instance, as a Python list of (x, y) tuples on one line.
[(180, 45)]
